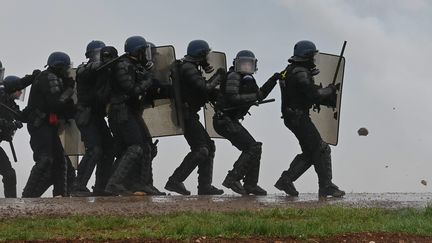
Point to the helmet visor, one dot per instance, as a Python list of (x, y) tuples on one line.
[(148, 53), (245, 65), (316, 58), (2, 71)]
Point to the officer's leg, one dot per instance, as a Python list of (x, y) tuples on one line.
[(127, 132), (63, 171), (252, 174), (205, 172), (41, 142), (9, 176), (242, 140), (302, 162), (146, 172), (104, 165), (93, 154), (193, 132), (323, 169)]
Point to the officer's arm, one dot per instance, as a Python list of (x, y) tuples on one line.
[(268, 86), (315, 93), (232, 89), (193, 78), (50, 86), (85, 70), (127, 80)]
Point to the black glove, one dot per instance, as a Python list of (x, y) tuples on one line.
[(36, 72), (276, 76)]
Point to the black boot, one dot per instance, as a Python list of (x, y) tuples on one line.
[(85, 170), (252, 174), (287, 186), (298, 167), (255, 190), (115, 185), (330, 190), (176, 186), (205, 177), (323, 168), (234, 184), (189, 163)]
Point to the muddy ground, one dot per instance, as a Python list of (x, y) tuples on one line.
[(357, 237), (134, 206)]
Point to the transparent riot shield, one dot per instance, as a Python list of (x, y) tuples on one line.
[(326, 119), (217, 60), (2, 71), (70, 135), (164, 116)]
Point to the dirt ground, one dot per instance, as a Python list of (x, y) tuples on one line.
[(135, 206), (357, 237)]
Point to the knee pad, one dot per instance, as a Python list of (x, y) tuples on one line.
[(134, 151), (201, 153), (325, 148), (256, 149)]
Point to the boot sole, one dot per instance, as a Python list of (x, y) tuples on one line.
[(293, 194), (177, 191)]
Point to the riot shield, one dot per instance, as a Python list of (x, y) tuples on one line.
[(70, 135), (164, 116), (326, 119), (2, 71), (217, 60)]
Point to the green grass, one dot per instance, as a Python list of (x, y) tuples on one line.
[(301, 223)]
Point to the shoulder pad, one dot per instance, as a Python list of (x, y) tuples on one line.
[(302, 75), (233, 75)]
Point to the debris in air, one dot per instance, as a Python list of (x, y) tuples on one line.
[(363, 132), (423, 182)]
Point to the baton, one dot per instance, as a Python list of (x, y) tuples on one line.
[(339, 62), (10, 110), (13, 151), (249, 104), (110, 63)]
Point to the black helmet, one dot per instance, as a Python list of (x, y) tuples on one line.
[(107, 53), (11, 79), (134, 43), (92, 47), (59, 60), (304, 51), (245, 62), (198, 50), (12, 83)]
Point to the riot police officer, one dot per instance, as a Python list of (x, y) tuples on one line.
[(9, 123), (299, 94), (141, 180), (90, 119), (195, 92), (129, 85), (50, 103), (237, 95)]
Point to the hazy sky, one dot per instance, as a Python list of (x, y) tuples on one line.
[(387, 82)]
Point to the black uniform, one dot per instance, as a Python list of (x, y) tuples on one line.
[(8, 125), (240, 89), (49, 103), (90, 119), (133, 141), (299, 94), (195, 92)]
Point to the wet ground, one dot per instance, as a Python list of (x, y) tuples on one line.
[(11, 208)]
